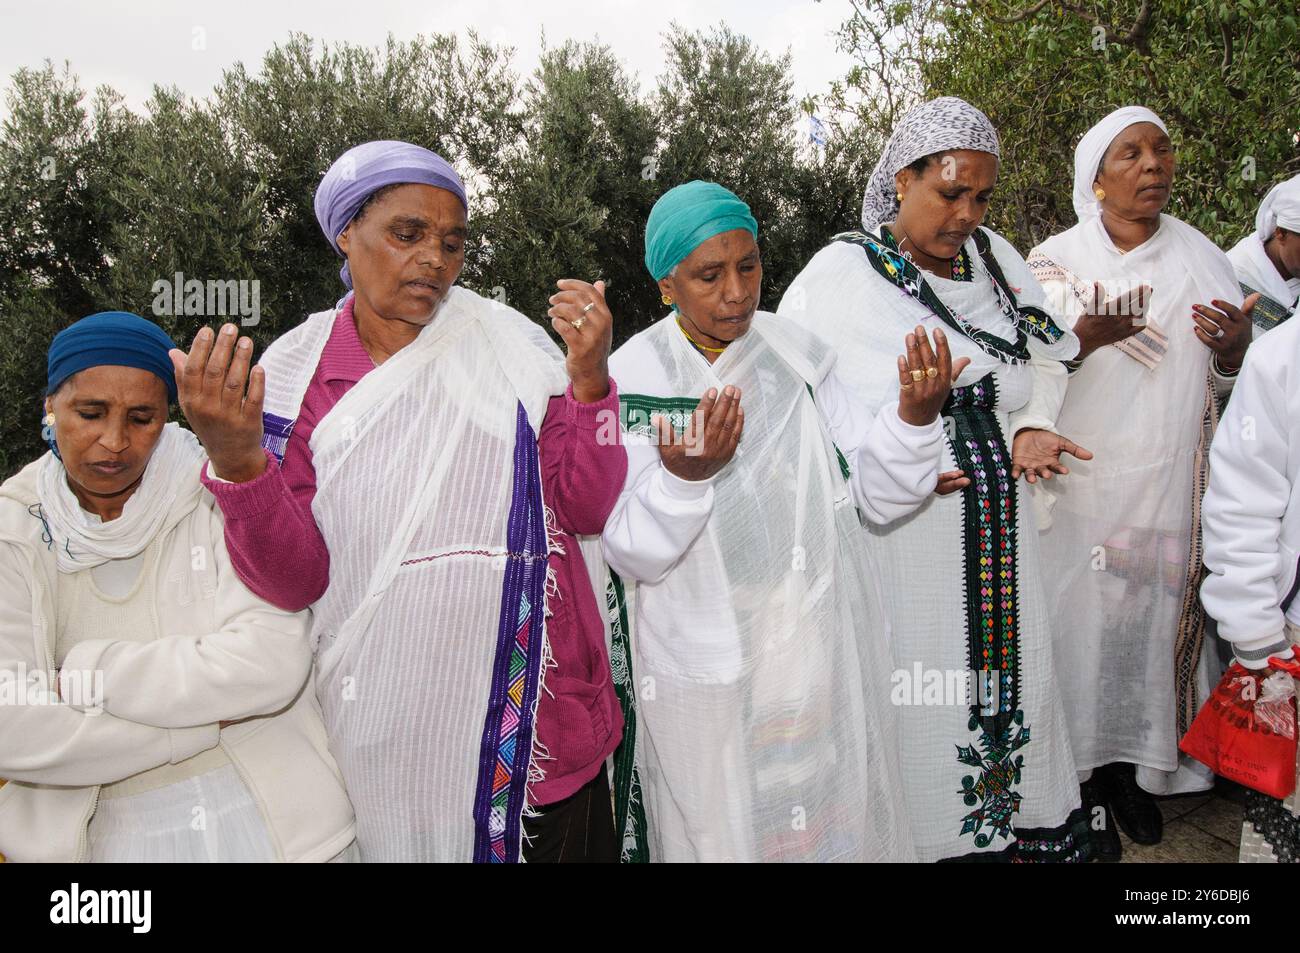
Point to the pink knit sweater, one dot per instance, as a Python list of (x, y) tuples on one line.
[(278, 551)]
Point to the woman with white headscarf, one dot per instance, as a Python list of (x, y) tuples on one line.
[(1268, 259), (988, 773), (1123, 552)]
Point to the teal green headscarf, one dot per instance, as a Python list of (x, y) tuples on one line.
[(687, 216)]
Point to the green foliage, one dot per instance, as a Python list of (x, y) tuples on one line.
[(1224, 76), (97, 202)]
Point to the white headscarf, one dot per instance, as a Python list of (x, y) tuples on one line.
[(1280, 209), (935, 126), (1092, 147), (169, 486)]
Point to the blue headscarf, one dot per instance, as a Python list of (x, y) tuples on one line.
[(687, 216), (367, 168), (110, 337)]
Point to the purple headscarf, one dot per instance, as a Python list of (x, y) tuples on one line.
[(367, 168)]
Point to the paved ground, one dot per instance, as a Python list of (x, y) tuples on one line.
[(1198, 827)]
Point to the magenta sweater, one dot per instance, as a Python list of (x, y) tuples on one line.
[(279, 553)]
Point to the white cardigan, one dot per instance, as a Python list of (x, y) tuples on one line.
[(1251, 514), (228, 656)]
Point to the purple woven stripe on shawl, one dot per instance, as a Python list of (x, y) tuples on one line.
[(275, 434), (525, 577)]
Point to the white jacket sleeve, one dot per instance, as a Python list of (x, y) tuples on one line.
[(254, 663), (657, 518), (1051, 378), (43, 741), (893, 465), (1241, 517)]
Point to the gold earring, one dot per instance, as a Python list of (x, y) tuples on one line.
[(900, 198), (1099, 192), (48, 420), (666, 299)]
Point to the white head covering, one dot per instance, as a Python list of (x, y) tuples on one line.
[(1092, 147), (935, 126), (1280, 209)]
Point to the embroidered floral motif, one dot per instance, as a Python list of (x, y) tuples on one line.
[(992, 793)]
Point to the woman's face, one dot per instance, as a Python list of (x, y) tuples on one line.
[(107, 421), (406, 250), (1137, 172), (943, 205), (1287, 244), (716, 286)]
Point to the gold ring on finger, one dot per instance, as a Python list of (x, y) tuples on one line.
[(578, 323), (589, 306), (918, 376), (932, 372)]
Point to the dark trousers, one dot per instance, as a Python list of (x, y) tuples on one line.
[(577, 830)]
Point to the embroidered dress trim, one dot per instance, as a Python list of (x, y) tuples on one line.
[(992, 613), (1069, 843), (1189, 640), (629, 811), (1268, 312), (883, 255)]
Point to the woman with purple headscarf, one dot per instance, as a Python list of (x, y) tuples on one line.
[(412, 465)]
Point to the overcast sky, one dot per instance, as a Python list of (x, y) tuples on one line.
[(134, 44)]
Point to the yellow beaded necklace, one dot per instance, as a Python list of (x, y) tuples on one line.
[(711, 350)]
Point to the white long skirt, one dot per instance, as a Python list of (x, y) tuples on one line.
[(210, 818)]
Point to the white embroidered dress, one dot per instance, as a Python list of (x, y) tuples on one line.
[(922, 560)]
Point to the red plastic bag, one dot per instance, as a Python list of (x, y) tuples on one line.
[(1246, 730)]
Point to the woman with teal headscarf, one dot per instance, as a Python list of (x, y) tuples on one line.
[(761, 656)]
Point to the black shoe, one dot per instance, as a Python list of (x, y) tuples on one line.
[(1106, 846), (1134, 810)]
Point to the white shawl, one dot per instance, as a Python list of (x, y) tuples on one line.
[(767, 733), (415, 471), (170, 483)]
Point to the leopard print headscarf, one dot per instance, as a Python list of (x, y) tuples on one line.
[(935, 126)]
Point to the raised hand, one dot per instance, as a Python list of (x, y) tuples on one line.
[(1226, 331), (926, 376), (581, 317), (210, 383), (1037, 454), (710, 439), (1111, 320)]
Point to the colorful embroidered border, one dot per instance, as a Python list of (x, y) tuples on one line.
[(507, 745), (1068, 843), (839, 455), (629, 811), (902, 273), (637, 409), (992, 611), (1190, 636), (1268, 313)]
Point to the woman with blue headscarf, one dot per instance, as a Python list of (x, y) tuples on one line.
[(761, 655), (413, 464), (179, 695)]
